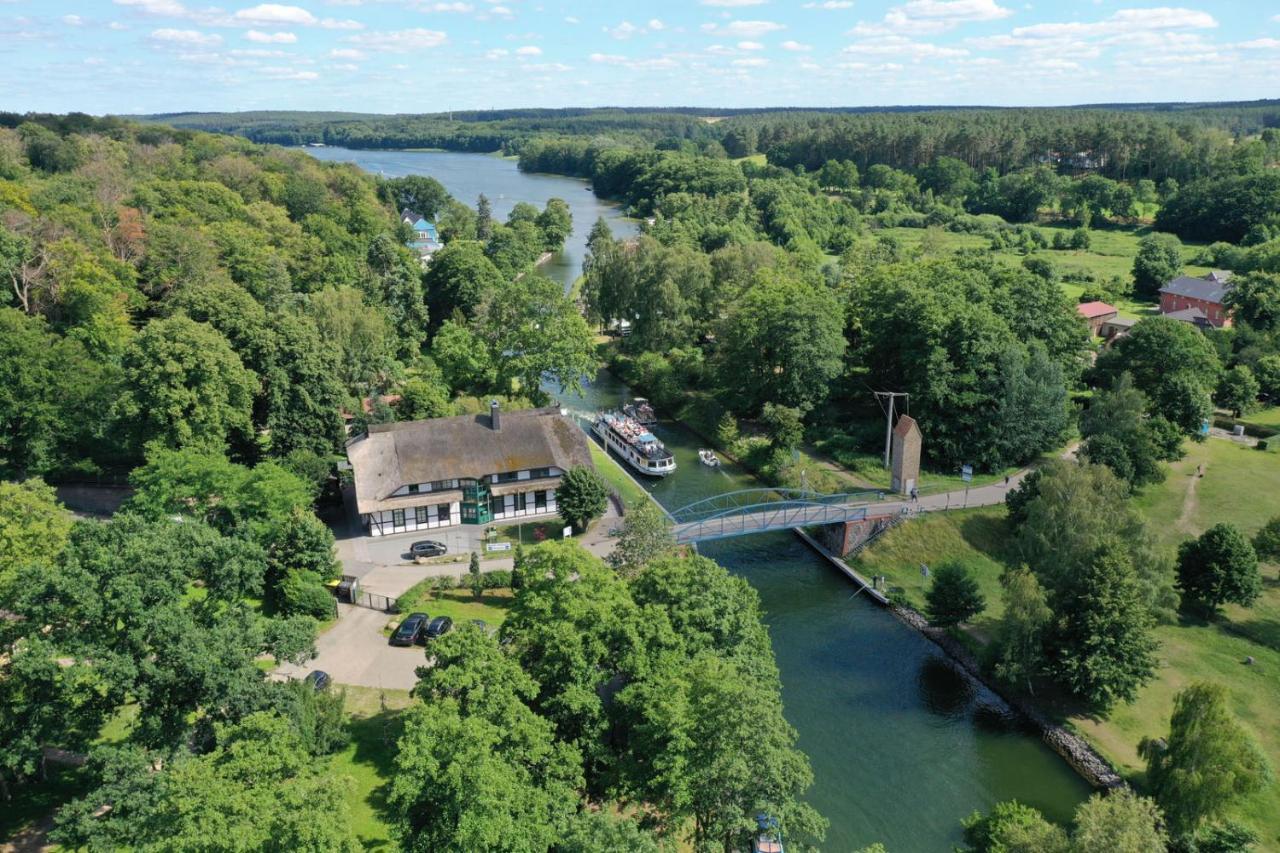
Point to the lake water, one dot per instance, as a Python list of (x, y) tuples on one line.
[(466, 176), (902, 747)]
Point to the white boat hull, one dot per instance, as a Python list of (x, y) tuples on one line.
[(629, 454)]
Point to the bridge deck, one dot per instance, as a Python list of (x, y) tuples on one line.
[(784, 515)]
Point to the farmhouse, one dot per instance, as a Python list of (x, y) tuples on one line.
[(1199, 301), (1096, 314), (472, 469)]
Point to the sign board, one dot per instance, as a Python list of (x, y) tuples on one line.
[(497, 546), (567, 533), (966, 473)]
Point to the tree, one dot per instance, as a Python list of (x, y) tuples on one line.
[(645, 536), (1173, 364), (596, 831), (463, 358), (34, 529), (782, 342), (556, 224), (301, 556), (1266, 542), (184, 386), (581, 496), (459, 278), (425, 396), (1119, 434), (1118, 822), (1020, 637), (419, 193), (1238, 390), (954, 596), (1219, 567), (1158, 262), (258, 789), (1013, 828), (1100, 644), (476, 769), (304, 396), (477, 580), (784, 426), (1207, 763), (1033, 408), (484, 219), (361, 335), (1254, 298), (30, 417)]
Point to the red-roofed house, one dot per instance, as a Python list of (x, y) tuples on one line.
[(1095, 314)]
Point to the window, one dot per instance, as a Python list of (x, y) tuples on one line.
[(539, 473), (522, 501), (413, 488), (540, 500), (508, 476), (496, 504), (420, 514), (397, 517), (442, 513)]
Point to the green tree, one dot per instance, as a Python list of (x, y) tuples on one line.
[(459, 278), (1158, 262), (1218, 568), (1100, 644), (556, 224), (581, 496), (1207, 763), (1118, 433), (360, 334), (484, 219), (1173, 364), (258, 789), (1254, 298), (1266, 542), (303, 394), (1013, 828), (476, 579), (953, 596), (1238, 390), (419, 193), (645, 535), (476, 769), (425, 396), (1118, 822), (463, 358), (782, 342), (301, 556), (1020, 638), (603, 832), (185, 386), (34, 529), (784, 426)]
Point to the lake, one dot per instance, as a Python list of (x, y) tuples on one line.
[(902, 747)]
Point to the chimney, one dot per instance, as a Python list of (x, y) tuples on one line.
[(495, 422)]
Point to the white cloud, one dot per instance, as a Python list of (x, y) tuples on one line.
[(400, 41), (830, 4), (924, 17), (732, 4), (657, 64), (270, 38), (571, 20), (900, 47), (345, 66), (72, 20), (169, 8), (462, 8), (1260, 44), (743, 29), (116, 25), (186, 38), (496, 53), (750, 63), (796, 46), (529, 50), (286, 73), (278, 14), (346, 53), (625, 30), (655, 25), (750, 45)]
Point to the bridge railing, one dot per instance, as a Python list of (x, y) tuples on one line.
[(766, 517), (754, 500)]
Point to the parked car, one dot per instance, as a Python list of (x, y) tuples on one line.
[(428, 548), (319, 679), (437, 628), (406, 634)]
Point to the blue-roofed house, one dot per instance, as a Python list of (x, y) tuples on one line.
[(426, 240)]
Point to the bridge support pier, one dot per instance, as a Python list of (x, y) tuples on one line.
[(845, 537)]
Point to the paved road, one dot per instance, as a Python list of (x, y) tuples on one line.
[(354, 651)]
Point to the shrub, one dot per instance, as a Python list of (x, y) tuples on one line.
[(954, 596), (497, 579)]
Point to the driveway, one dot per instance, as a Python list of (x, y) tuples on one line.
[(354, 651)]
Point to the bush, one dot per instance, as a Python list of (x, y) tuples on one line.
[(1262, 444), (954, 596), (302, 594), (498, 579)]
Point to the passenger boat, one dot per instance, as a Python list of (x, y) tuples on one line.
[(640, 411), (634, 443), (709, 458)]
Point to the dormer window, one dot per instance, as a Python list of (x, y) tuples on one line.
[(413, 488)]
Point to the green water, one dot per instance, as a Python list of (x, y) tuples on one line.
[(902, 748)]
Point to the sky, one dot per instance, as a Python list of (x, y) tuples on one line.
[(149, 56)]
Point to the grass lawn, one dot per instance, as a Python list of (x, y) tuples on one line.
[(619, 480), (1269, 417), (1240, 485), (368, 761), (458, 604)]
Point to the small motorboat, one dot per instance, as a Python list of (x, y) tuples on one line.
[(640, 409), (709, 458)]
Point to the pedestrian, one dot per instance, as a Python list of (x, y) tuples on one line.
[(1006, 481), (915, 494)]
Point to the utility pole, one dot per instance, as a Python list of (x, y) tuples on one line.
[(888, 428)]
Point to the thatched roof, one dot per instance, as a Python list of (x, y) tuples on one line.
[(466, 447)]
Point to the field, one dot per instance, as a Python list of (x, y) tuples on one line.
[(458, 604), (1110, 253), (1268, 417), (369, 760), (1240, 484)]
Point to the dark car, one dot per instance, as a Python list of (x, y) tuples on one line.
[(319, 679), (437, 628), (408, 631), (427, 548)]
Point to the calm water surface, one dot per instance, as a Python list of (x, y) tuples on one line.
[(902, 748), (466, 176)]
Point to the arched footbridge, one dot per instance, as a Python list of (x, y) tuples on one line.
[(760, 510)]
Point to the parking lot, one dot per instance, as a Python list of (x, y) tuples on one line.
[(355, 651)]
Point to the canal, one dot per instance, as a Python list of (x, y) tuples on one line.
[(902, 748)]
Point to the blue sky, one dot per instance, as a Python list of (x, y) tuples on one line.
[(129, 56)]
